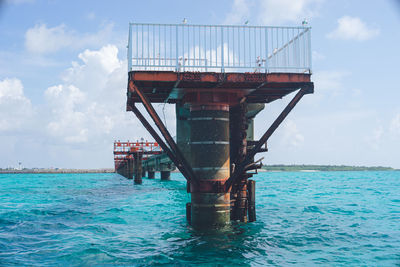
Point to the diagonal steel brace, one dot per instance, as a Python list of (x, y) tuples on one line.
[(164, 146), (164, 131), (308, 89)]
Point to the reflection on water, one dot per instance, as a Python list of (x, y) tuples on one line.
[(99, 219)]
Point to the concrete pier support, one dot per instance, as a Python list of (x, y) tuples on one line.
[(165, 175), (129, 168), (143, 172), (209, 145), (151, 174), (138, 167)]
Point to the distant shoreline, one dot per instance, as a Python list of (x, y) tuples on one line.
[(105, 170), (265, 168), (324, 168)]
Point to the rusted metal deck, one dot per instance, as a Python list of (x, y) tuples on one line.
[(173, 87)]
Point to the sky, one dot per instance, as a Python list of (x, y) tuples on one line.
[(63, 74)]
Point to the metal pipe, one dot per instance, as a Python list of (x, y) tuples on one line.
[(158, 139), (165, 175), (160, 125), (138, 166), (251, 187), (239, 170)]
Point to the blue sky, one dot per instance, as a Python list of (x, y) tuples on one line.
[(63, 79)]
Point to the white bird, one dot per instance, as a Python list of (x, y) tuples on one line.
[(184, 21)]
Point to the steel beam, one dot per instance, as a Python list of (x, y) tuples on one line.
[(156, 137), (164, 131), (240, 169)]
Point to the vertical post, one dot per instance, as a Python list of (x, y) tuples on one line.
[(138, 155), (176, 48), (130, 48), (266, 50), (309, 51), (151, 174), (251, 187), (222, 50), (165, 175)]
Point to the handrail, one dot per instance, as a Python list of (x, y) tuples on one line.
[(219, 48)]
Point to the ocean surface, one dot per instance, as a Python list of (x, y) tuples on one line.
[(304, 219)]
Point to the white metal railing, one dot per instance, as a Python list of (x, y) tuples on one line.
[(214, 48)]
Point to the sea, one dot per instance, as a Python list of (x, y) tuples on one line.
[(303, 219)]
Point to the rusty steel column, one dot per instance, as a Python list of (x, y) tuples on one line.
[(138, 166), (238, 131), (165, 175), (151, 174), (129, 168), (209, 146), (251, 185)]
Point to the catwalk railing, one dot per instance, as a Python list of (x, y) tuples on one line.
[(214, 48)]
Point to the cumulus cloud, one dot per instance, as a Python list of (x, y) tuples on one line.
[(283, 11), (330, 81), (42, 39), (291, 135), (90, 100), (239, 13), (88, 107), (272, 12), (15, 108), (395, 125), (375, 138), (352, 28)]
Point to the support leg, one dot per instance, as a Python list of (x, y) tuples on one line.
[(138, 167), (151, 174), (165, 175), (210, 203)]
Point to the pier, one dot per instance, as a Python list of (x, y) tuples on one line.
[(219, 78)]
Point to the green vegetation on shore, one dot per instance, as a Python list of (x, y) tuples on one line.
[(56, 170), (294, 168)]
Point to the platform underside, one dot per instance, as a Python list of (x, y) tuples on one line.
[(171, 87)]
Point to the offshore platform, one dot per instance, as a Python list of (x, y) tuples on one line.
[(219, 78)]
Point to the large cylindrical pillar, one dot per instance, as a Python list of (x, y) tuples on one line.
[(209, 145)]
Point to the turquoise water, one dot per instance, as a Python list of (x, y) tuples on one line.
[(328, 218)]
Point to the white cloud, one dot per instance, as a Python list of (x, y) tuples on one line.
[(18, 2), (352, 28), (316, 56), (239, 13), (375, 138), (272, 12), (395, 125), (88, 107), (283, 11), (330, 81), (91, 16), (41, 39), (15, 108), (89, 102), (291, 135)]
